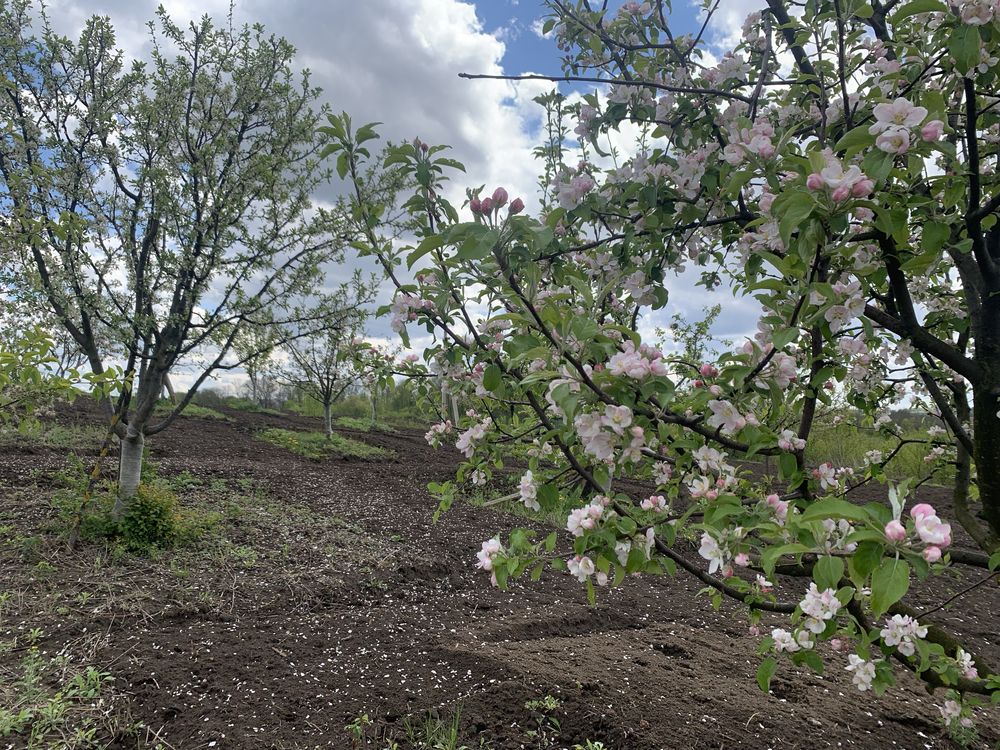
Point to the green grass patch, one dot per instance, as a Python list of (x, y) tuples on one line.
[(846, 445), (245, 404), (317, 446), (51, 702), (163, 408), (60, 437), (362, 425)]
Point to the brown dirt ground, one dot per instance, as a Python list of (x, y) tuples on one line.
[(330, 594)]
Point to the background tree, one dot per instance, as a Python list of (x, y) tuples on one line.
[(181, 188), (323, 365)]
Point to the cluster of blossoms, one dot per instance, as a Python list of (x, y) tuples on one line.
[(603, 432), (570, 190), (654, 503), (436, 434), (582, 567), (831, 477), (662, 472), (746, 141), (903, 632), (977, 12), (466, 443), (779, 506), (835, 536), (528, 491), (789, 441), (495, 329), (927, 527), (488, 208), (716, 474), (894, 124), (819, 607), (582, 520), (726, 417), (790, 643), (842, 184), (405, 309), (637, 363), (863, 671), (486, 556)]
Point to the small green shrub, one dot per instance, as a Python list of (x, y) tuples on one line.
[(152, 519)]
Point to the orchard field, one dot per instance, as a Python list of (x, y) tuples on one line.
[(318, 592), (660, 409)]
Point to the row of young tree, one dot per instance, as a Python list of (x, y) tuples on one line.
[(159, 217)]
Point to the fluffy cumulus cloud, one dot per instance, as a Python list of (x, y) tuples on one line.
[(394, 61)]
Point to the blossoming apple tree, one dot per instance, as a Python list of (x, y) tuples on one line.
[(836, 168)]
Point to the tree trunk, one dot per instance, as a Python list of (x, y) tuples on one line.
[(373, 405), (129, 469), (327, 419), (985, 416), (170, 389)]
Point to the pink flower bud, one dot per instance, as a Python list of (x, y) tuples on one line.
[(754, 630), (862, 188), (708, 371), (932, 554), (699, 383), (727, 572), (932, 131), (923, 509), (476, 205), (836, 644), (499, 197), (895, 531), (828, 385), (487, 206), (742, 559), (815, 181), (842, 193), (516, 206)]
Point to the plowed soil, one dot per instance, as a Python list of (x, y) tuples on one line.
[(336, 596)]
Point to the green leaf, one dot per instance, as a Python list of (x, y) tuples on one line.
[(765, 672), (432, 242), (550, 542), (934, 236), (811, 659), (919, 6), (827, 572), (769, 557), (889, 584), (855, 141), (492, 378), (793, 208), (787, 465), (964, 47), (864, 560), (994, 561), (834, 508)]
